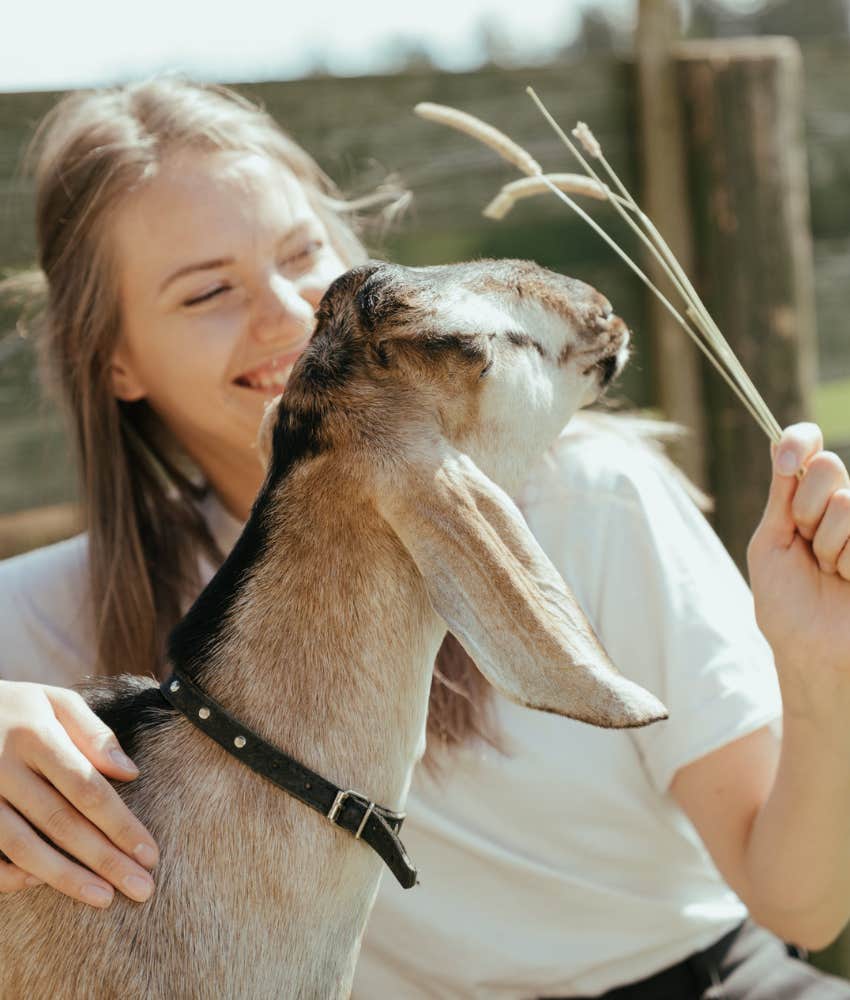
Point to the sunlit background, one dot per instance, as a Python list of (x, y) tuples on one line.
[(474, 53), (343, 78), (53, 45)]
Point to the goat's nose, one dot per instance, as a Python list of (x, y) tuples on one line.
[(601, 320), (599, 309)]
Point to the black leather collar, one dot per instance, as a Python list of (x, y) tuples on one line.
[(345, 808)]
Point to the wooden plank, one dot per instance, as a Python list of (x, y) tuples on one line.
[(750, 198), (361, 128), (677, 380), (30, 529)]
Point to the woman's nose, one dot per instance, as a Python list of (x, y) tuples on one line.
[(281, 312)]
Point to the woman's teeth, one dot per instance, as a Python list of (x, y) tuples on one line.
[(267, 378)]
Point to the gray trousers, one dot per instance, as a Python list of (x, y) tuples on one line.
[(747, 964)]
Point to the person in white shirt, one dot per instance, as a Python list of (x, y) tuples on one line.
[(185, 243)]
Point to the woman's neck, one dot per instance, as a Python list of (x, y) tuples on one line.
[(235, 478)]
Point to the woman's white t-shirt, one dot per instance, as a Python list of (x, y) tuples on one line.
[(562, 865)]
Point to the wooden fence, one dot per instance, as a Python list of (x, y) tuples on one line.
[(362, 129)]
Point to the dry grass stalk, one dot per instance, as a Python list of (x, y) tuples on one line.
[(526, 187), (707, 334), (702, 329), (694, 318), (588, 140), (479, 130)]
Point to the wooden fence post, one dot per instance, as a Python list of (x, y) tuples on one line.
[(747, 164), (677, 378)]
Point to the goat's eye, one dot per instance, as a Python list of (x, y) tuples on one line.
[(486, 369)]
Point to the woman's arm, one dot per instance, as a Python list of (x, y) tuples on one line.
[(54, 753), (54, 750), (776, 819)]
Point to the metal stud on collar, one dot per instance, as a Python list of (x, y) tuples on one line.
[(292, 776)]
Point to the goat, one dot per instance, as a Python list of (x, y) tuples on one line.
[(379, 525)]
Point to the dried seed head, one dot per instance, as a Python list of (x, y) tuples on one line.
[(701, 328), (480, 130), (588, 140), (526, 187)]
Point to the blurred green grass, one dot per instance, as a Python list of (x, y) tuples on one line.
[(832, 412)]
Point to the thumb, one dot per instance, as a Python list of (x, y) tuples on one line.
[(790, 456), (90, 734), (777, 527)]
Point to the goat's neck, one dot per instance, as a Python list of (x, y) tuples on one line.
[(317, 633), (328, 643)]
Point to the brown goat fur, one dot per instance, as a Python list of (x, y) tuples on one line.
[(379, 524)]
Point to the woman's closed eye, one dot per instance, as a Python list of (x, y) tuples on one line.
[(206, 296), (295, 262), (303, 255)]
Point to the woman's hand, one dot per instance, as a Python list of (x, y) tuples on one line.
[(53, 749), (776, 818), (799, 561)]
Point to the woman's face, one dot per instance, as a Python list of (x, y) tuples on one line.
[(222, 262)]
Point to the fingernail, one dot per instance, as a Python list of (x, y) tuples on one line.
[(96, 895), (31, 881), (786, 463), (145, 855), (122, 760), (137, 887)]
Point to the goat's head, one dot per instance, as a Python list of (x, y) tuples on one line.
[(495, 355), (443, 382)]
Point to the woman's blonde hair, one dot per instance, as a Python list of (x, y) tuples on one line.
[(145, 531), (140, 504)]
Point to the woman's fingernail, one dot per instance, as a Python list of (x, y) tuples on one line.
[(31, 881), (145, 855), (786, 463), (96, 895), (137, 888), (122, 760)]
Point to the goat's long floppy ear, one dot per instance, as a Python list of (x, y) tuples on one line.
[(497, 591)]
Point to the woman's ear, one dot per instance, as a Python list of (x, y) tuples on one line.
[(126, 384)]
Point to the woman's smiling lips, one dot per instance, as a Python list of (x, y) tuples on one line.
[(271, 374)]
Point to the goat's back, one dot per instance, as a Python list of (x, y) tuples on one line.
[(227, 918)]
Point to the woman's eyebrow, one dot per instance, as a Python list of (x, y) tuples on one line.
[(293, 235), (207, 265), (300, 230)]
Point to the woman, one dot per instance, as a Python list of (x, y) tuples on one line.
[(186, 242)]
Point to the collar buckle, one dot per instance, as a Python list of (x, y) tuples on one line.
[(339, 801), (350, 810)]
